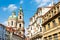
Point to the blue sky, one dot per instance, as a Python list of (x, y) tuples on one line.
[(29, 8)]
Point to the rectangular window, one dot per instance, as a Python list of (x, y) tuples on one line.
[(50, 38), (40, 29), (40, 20), (54, 23), (12, 23), (55, 37), (49, 25)]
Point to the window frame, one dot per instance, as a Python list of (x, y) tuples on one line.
[(20, 17), (19, 25), (49, 25), (12, 23)]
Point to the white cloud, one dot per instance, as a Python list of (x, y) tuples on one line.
[(37, 1), (44, 3), (21, 2), (4, 8), (11, 7), (41, 5), (50, 4)]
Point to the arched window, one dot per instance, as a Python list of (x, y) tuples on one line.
[(20, 17), (11, 22), (49, 25), (20, 25), (54, 23)]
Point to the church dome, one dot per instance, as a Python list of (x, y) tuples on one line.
[(21, 10), (13, 15)]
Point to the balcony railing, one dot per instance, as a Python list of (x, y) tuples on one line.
[(37, 34)]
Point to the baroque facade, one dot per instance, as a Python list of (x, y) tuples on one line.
[(34, 31), (51, 23), (46, 19), (12, 35), (15, 27)]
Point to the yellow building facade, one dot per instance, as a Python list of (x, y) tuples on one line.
[(51, 23)]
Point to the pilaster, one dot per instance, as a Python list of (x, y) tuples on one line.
[(52, 37), (58, 36)]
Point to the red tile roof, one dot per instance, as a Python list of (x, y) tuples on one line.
[(10, 29)]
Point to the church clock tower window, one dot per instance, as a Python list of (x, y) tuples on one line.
[(20, 25), (20, 17)]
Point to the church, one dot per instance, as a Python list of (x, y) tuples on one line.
[(17, 22)]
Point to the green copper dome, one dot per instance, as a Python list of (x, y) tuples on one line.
[(13, 15), (21, 10)]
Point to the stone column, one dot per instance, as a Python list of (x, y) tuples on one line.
[(56, 10), (47, 27), (58, 36), (47, 38), (42, 38), (53, 12), (43, 29), (57, 21), (51, 25)]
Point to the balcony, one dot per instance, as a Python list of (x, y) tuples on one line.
[(55, 16), (38, 34)]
